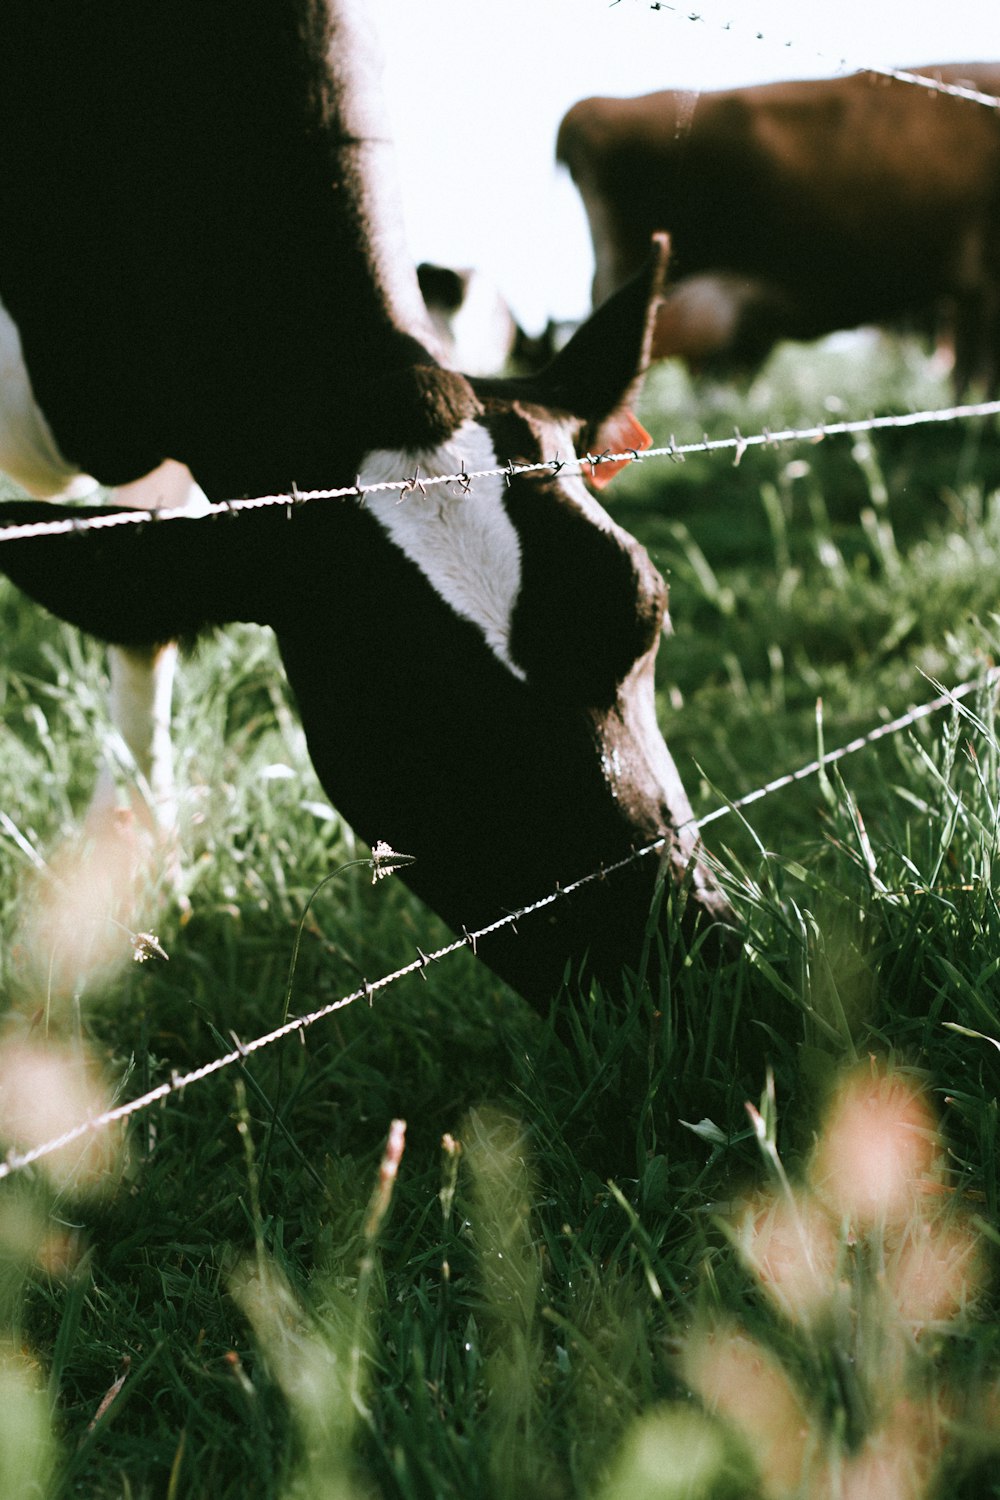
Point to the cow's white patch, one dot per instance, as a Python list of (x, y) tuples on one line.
[(464, 544), (28, 451)]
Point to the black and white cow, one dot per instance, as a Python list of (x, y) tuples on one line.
[(476, 329), (201, 264)]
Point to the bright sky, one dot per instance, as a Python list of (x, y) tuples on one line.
[(476, 90)]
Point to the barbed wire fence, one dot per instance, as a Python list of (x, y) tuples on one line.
[(464, 480), (385, 861)]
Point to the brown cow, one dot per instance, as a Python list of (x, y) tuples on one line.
[(795, 209)]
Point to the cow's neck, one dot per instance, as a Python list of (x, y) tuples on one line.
[(239, 271), (367, 166)]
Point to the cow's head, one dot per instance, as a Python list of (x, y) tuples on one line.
[(473, 662)]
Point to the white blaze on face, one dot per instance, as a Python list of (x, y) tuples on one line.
[(28, 451), (465, 545)]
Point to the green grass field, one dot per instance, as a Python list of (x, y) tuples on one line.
[(597, 1273)]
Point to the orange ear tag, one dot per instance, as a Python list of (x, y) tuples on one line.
[(620, 433)]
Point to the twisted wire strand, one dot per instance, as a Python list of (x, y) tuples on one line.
[(938, 86), (738, 444)]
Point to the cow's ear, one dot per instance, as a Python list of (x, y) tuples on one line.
[(148, 582), (622, 432), (601, 368), (440, 286)]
